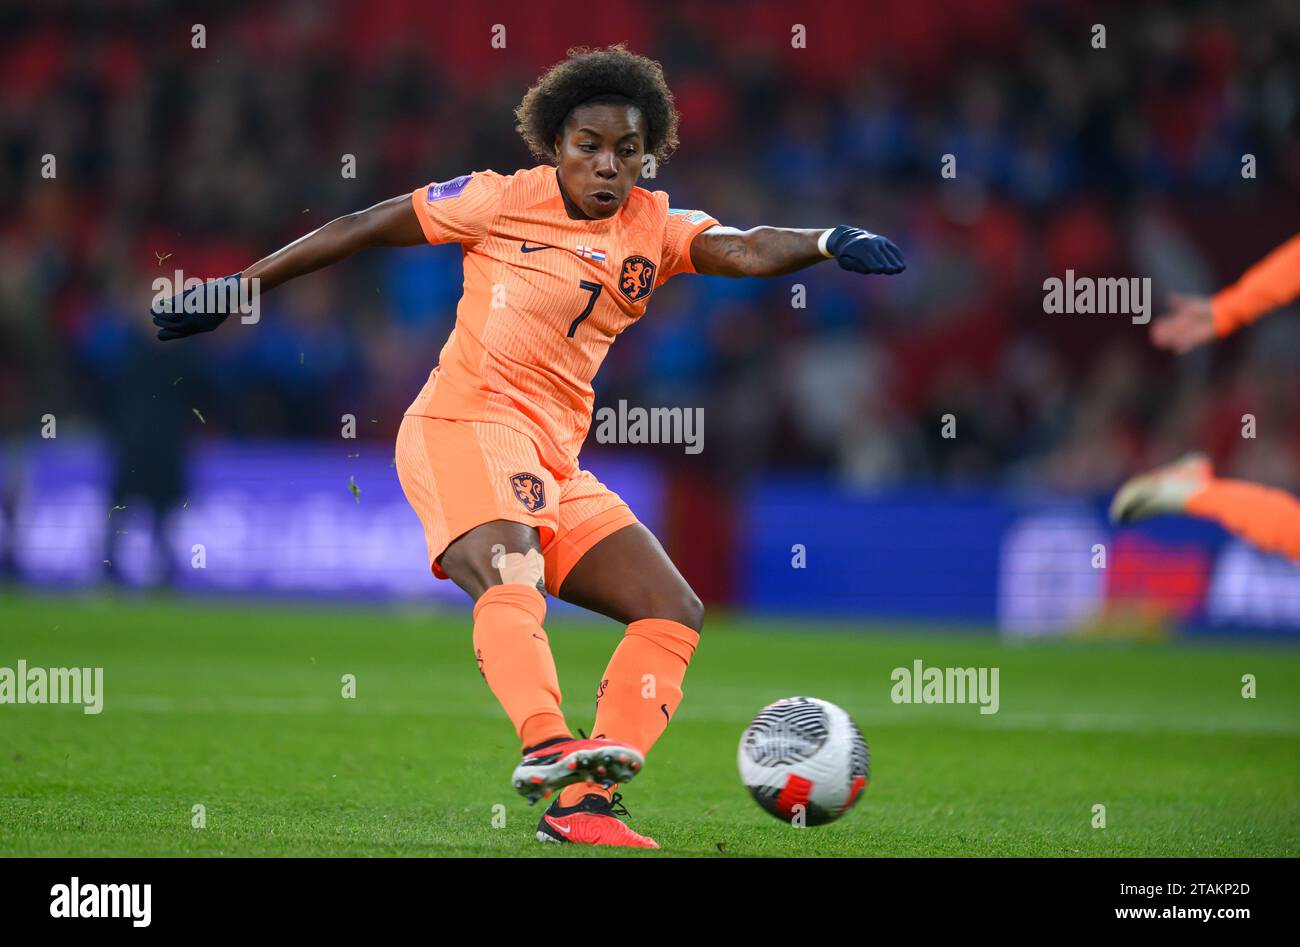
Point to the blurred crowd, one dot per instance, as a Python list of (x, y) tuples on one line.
[(1124, 160)]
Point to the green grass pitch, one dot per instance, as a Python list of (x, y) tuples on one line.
[(239, 708)]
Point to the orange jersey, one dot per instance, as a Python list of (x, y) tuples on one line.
[(1273, 281), (544, 297)]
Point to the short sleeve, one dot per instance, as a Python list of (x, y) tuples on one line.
[(680, 229), (460, 210)]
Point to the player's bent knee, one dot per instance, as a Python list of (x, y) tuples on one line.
[(685, 608), (694, 612), (473, 561)]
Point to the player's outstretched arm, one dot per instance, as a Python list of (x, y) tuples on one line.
[(775, 251), (1192, 320), (390, 223)]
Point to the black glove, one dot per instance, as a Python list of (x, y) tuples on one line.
[(864, 252), (197, 309)]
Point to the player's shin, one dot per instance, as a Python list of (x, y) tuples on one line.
[(514, 657), (641, 688)]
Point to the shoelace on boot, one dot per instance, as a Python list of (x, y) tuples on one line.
[(616, 806)]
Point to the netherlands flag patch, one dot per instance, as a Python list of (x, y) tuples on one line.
[(590, 253)]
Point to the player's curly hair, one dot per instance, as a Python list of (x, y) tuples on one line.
[(587, 75)]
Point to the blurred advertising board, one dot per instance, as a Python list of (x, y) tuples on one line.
[(1029, 564), (294, 519)]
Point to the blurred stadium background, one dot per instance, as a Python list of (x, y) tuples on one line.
[(822, 424)]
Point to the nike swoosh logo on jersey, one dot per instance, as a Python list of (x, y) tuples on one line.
[(525, 248)]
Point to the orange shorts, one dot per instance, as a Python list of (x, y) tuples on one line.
[(462, 474)]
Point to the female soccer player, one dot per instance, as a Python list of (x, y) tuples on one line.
[(559, 259), (1267, 517)]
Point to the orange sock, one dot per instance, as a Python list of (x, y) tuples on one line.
[(1266, 517), (514, 657), (641, 689)]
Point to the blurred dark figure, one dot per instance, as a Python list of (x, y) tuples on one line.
[(145, 395)]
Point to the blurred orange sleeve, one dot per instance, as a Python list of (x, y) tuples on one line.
[(1272, 282)]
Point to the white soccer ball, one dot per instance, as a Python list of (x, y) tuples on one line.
[(804, 760)]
